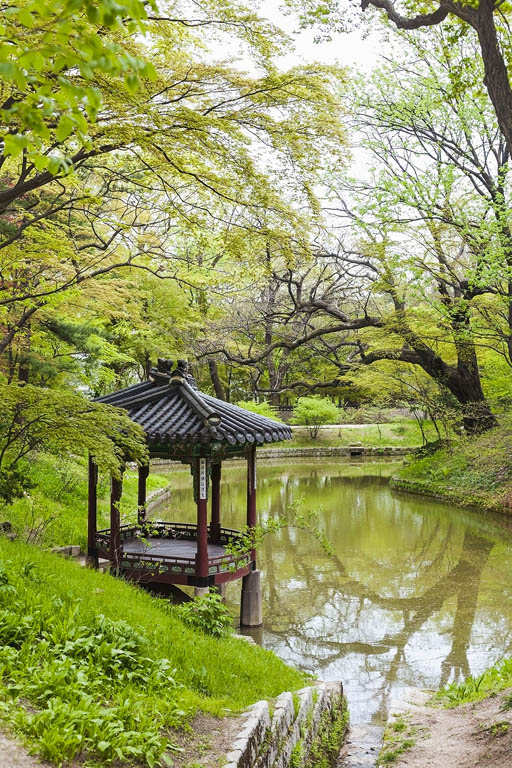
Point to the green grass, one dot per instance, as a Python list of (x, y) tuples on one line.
[(54, 512), (492, 681), (470, 471), (399, 737), (401, 433), (94, 669)]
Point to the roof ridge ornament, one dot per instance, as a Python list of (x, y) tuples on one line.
[(182, 374), (164, 365)]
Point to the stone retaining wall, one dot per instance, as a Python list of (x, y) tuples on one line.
[(338, 450), (155, 498), (314, 452), (300, 730)]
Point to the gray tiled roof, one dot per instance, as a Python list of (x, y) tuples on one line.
[(171, 409)]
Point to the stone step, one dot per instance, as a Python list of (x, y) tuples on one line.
[(103, 564), (71, 550)]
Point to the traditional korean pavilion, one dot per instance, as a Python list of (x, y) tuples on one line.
[(186, 425)]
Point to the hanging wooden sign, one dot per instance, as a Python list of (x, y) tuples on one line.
[(202, 479)]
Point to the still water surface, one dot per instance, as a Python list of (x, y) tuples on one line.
[(417, 593)]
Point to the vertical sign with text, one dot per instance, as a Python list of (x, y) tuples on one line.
[(202, 478)]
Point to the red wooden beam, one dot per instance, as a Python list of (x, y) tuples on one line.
[(215, 524), (92, 513), (251, 495), (201, 481), (116, 490)]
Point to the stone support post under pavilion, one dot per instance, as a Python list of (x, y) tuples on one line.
[(191, 427)]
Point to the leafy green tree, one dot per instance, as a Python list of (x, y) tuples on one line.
[(81, 198), (52, 55), (428, 237), (314, 411), (34, 419)]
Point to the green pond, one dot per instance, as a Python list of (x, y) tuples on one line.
[(417, 593)]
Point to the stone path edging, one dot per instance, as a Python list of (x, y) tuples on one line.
[(273, 741)]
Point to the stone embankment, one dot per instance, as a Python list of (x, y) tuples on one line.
[(314, 452), (155, 498), (298, 730), (338, 450)]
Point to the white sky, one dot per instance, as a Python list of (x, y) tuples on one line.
[(349, 49)]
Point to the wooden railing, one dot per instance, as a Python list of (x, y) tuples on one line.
[(160, 563)]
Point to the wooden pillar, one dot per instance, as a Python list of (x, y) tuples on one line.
[(251, 495), (116, 490), (141, 495), (251, 612), (215, 524), (92, 510), (201, 493)]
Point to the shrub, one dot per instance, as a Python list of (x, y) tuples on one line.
[(313, 412), (207, 613)]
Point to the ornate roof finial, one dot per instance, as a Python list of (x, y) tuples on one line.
[(164, 365)]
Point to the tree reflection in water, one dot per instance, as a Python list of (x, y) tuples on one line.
[(416, 593)]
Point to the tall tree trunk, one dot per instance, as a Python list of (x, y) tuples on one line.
[(216, 380), (466, 381), (496, 75), (466, 387)]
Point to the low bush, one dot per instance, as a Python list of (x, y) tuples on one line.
[(208, 613), (313, 412)]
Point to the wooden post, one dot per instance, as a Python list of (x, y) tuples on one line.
[(141, 496), (251, 495), (201, 484), (92, 509), (251, 612), (116, 490), (215, 524)]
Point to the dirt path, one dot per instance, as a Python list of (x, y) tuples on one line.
[(475, 735), (13, 755)]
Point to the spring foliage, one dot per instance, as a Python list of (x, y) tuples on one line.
[(313, 412), (61, 422)]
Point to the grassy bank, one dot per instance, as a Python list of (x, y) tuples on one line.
[(491, 682), (54, 512), (475, 471), (97, 670), (399, 433)]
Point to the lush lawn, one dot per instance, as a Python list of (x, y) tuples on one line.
[(398, 433), (55, 510), (96, 669), (474, 470)]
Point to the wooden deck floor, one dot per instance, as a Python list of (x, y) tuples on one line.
[(169, 548)]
